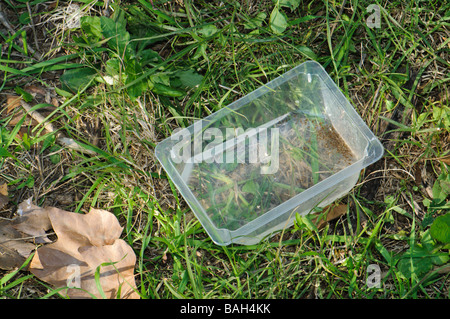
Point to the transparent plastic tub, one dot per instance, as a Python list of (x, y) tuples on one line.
[(293, 145)]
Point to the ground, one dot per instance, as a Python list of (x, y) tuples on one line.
[(121, 84)]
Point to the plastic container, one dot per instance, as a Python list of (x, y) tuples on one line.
[(290, 146)]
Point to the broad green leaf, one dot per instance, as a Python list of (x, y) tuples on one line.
[(428, 219), (92, 26), (190, 78), (440, 229), (200, 52), (415, 263), (77, 79), (427, 240), (256, 22), (390, 105), (162, 78), (55, 158), (166, 90), (27, 97), (278, 21), (307, 52), (119, 19), (24, 18), (48, 141), (118, 37), (208, 30), (291, 4), (442, 114), (414, 267), (149, 56), (4, 152), (113, 67), (250, 187), (441, 187), (440, 258), (136, 90)]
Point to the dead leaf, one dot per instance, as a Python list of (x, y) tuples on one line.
[(55, 102), (112, 276), (445, 159), (4, 199), (19, 235), (33, 221), (13, 108), (87, 254), (34, 89), (330, 213), (14, 249), (4, 189), (86, 242), (17, 108), (12, 101)]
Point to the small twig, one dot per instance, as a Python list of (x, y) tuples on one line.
[(61, 139), (381, 171), (5, 22), (414, 206), (32, 25), (37, 116), (71, 144)]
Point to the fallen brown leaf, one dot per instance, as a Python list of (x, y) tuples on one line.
[(445, 159), (4, 199), (87, 260), (18, 108), (14, 248), (86, 242), (33, 221), (97, 228), (330, 213), (13, 108), (112, 275), (34, 89), (12, 101), (4, 189)]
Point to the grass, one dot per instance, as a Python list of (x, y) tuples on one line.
[(123, 91)]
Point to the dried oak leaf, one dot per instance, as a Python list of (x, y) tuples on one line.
[(15, 245), (331, 212), (87, 243), (113, 276), (33, 221), (14, 249)]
